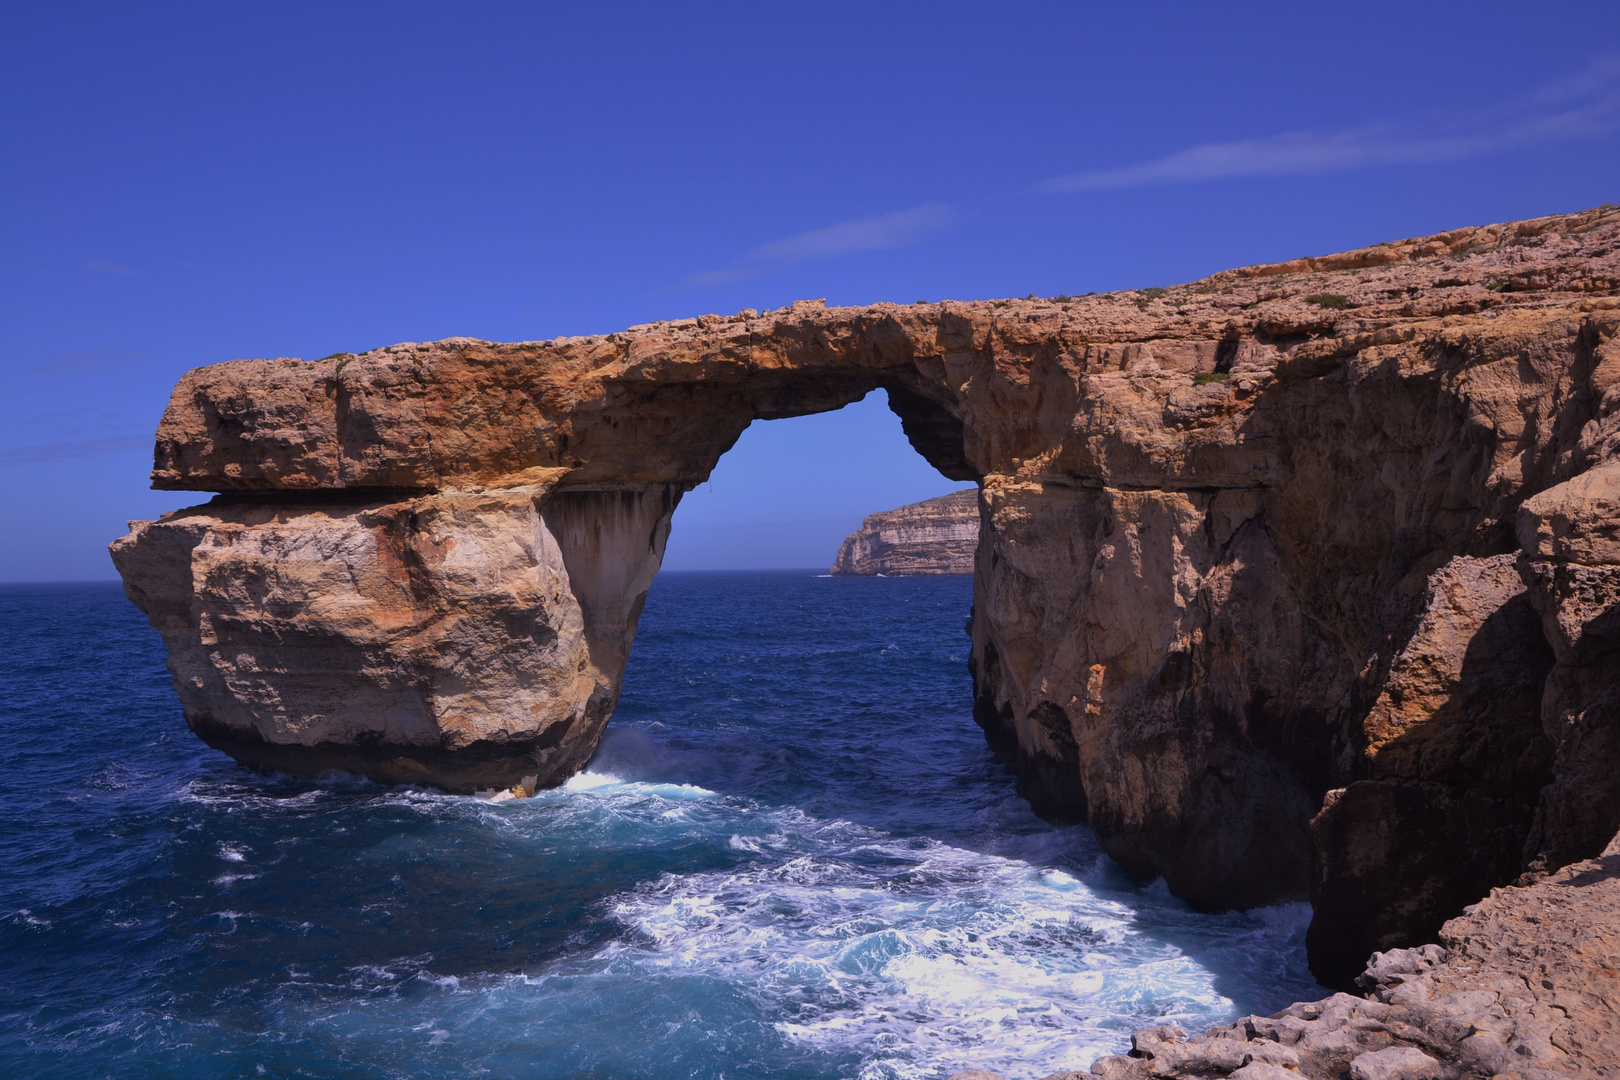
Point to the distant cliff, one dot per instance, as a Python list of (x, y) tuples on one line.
[(936, 536)]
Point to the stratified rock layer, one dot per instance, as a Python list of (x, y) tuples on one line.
[(1302, 577), (936, 536)]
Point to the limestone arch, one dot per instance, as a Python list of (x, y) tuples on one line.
[(1217, 513)]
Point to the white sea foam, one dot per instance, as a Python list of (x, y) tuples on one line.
[(591, 781), (224, 880), (596, 783), (246, 795), (906, 957), (916, 955), (896, 957)]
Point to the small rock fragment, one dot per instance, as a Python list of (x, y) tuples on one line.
[(1259, 1070), (1394, 1063)]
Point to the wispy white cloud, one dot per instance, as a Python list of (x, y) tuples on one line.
[(88, 360), (101, 267), (1582, 106), (38, 453), (902, 228), (1596, 79), (899, 229)]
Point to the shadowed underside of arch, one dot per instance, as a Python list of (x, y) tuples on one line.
[(1286, 577)]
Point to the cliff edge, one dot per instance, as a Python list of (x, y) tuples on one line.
[(935, 536)]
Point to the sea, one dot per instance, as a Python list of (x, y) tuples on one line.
[(793, 857)]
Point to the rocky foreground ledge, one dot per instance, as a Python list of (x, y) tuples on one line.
[(1298, 579), (1525, 985)]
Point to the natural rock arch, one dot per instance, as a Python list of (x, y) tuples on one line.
[(1239, 539)]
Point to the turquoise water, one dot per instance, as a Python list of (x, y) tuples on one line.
[(793, 857)]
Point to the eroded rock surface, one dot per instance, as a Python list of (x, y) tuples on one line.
[(935, 536), (1526, 984), (464, 640), (1300, 578)]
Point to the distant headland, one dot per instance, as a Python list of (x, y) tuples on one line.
[(935, 536)]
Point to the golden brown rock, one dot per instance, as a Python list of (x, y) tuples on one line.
[(1245, 542)]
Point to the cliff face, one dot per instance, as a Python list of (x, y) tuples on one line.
[(1303, 577), (935, 536)]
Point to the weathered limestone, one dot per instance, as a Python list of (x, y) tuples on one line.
[(1301, 578), (935, 536), (464, 640), (1522, 986)]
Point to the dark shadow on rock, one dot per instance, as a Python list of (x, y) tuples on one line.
[(1400, 853)]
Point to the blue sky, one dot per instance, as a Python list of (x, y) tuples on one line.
[(182, 184)]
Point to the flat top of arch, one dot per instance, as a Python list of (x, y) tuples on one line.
[(601, 409)]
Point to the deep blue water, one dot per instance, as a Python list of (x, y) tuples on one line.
[(794, 857)]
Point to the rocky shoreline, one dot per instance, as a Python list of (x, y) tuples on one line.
[(1302, 579), (1525, 984)]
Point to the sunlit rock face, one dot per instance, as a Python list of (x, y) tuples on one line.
[(1300, 578), (935, 536), (465, 640)]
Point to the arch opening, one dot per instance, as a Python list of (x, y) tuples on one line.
[(791, 489), (834, 801)]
